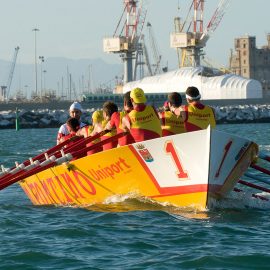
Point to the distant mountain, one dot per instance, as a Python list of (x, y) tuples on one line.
[(55, 75)]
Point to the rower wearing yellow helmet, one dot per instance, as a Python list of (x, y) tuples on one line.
[(91, 130), (143, 121)]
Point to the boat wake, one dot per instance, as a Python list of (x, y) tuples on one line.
[(135, 202), (242, 200), (127, 202)]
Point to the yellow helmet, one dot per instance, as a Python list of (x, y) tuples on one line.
[(97, 117), (138, 95)]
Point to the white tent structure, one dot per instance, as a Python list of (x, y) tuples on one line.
[(211, 83)]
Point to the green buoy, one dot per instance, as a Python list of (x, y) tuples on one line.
[(17, 122)]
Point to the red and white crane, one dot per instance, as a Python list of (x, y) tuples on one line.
[(192, 43), (126, 36)]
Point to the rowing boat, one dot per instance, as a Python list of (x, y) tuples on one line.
[(184, 170)]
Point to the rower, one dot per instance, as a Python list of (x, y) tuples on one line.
[(109, 108), (91, 130), (73, 126), (197, 115), (75, 111), (116, 121), (171, 123), (143, 121)]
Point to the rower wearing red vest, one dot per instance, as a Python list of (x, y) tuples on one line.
[(143, 121), (198, 116), (171, 123), (108, 109), (116, 121), (73, 125), (75, 111)]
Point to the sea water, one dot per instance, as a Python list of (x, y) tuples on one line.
[(130, 233)]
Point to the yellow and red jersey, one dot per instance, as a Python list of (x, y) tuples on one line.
[(144, 123), (116, 121), (89, 129), (110, 134), (171, 124), (199, 116)]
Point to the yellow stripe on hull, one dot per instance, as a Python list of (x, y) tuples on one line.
[(197, 200)]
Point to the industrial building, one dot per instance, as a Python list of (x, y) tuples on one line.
[(251, 62)]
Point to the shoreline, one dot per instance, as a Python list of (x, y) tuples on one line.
[(48, 118), (58, 126)]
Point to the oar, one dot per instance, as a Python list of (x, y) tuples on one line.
[(253, 195), (79, 144), (57, 147), (33, 170), (248, 184), (257, 177), (82, 152), (40, 157), (52, 161), (49, 164), (259, 168), (264, 156)]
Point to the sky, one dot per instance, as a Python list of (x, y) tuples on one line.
[(75, 28)]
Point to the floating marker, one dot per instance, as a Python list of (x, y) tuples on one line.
[(17, 123)]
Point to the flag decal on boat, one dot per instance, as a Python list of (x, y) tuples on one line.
[(144, 152)]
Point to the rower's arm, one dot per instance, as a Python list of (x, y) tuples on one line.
[(108, 126), (125, 123), (82, 132)]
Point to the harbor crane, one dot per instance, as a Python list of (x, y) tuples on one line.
[(191, 43), (126, 37), (148, 57), (155, 50), (6, 89)]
